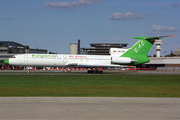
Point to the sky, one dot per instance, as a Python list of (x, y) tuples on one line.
[(54, 24)]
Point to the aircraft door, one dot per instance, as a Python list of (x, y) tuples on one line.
[(25, 58), (65, 59)]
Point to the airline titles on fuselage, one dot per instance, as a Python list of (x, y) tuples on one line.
[(78, 57), (71, 57), (40, 56)]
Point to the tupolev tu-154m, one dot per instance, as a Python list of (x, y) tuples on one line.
[(135, 55)]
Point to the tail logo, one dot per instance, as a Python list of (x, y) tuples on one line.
[(136, 49)]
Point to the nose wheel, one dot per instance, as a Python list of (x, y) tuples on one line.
[(28, 71)]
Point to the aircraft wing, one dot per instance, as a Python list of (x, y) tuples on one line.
[(84, 65)]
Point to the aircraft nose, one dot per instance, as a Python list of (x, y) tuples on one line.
[(6, 61)]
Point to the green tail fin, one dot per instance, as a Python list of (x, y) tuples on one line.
[(140, 50)]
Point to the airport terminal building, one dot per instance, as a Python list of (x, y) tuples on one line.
[(101, 48), (10, 48), (95, 48)]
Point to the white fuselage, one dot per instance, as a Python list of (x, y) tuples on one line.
[(55, 60), (68, 60)]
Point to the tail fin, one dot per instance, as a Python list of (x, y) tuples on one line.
[(140, 50)]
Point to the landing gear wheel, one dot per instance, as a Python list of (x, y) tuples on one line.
[(90, 71), (101, 72), (97, 71)]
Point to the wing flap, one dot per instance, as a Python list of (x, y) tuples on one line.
[(97, 65), (71, 64), (84, 65)]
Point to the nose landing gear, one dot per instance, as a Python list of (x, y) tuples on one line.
[(28, 71)]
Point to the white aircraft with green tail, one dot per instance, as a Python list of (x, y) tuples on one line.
[(135, 55)]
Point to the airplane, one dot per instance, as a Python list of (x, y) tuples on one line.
[(135, 55)]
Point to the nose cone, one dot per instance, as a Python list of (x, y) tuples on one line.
[(6, 61)]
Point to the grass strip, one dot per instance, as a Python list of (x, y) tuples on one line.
[(90, 85)]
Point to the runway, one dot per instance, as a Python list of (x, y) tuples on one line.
[(89, 108)]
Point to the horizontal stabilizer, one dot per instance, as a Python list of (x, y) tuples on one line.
[(152, 38)]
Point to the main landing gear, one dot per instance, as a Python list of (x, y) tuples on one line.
[(95, 71)]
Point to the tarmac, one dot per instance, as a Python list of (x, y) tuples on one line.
[(89, 108), (106, 72)]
